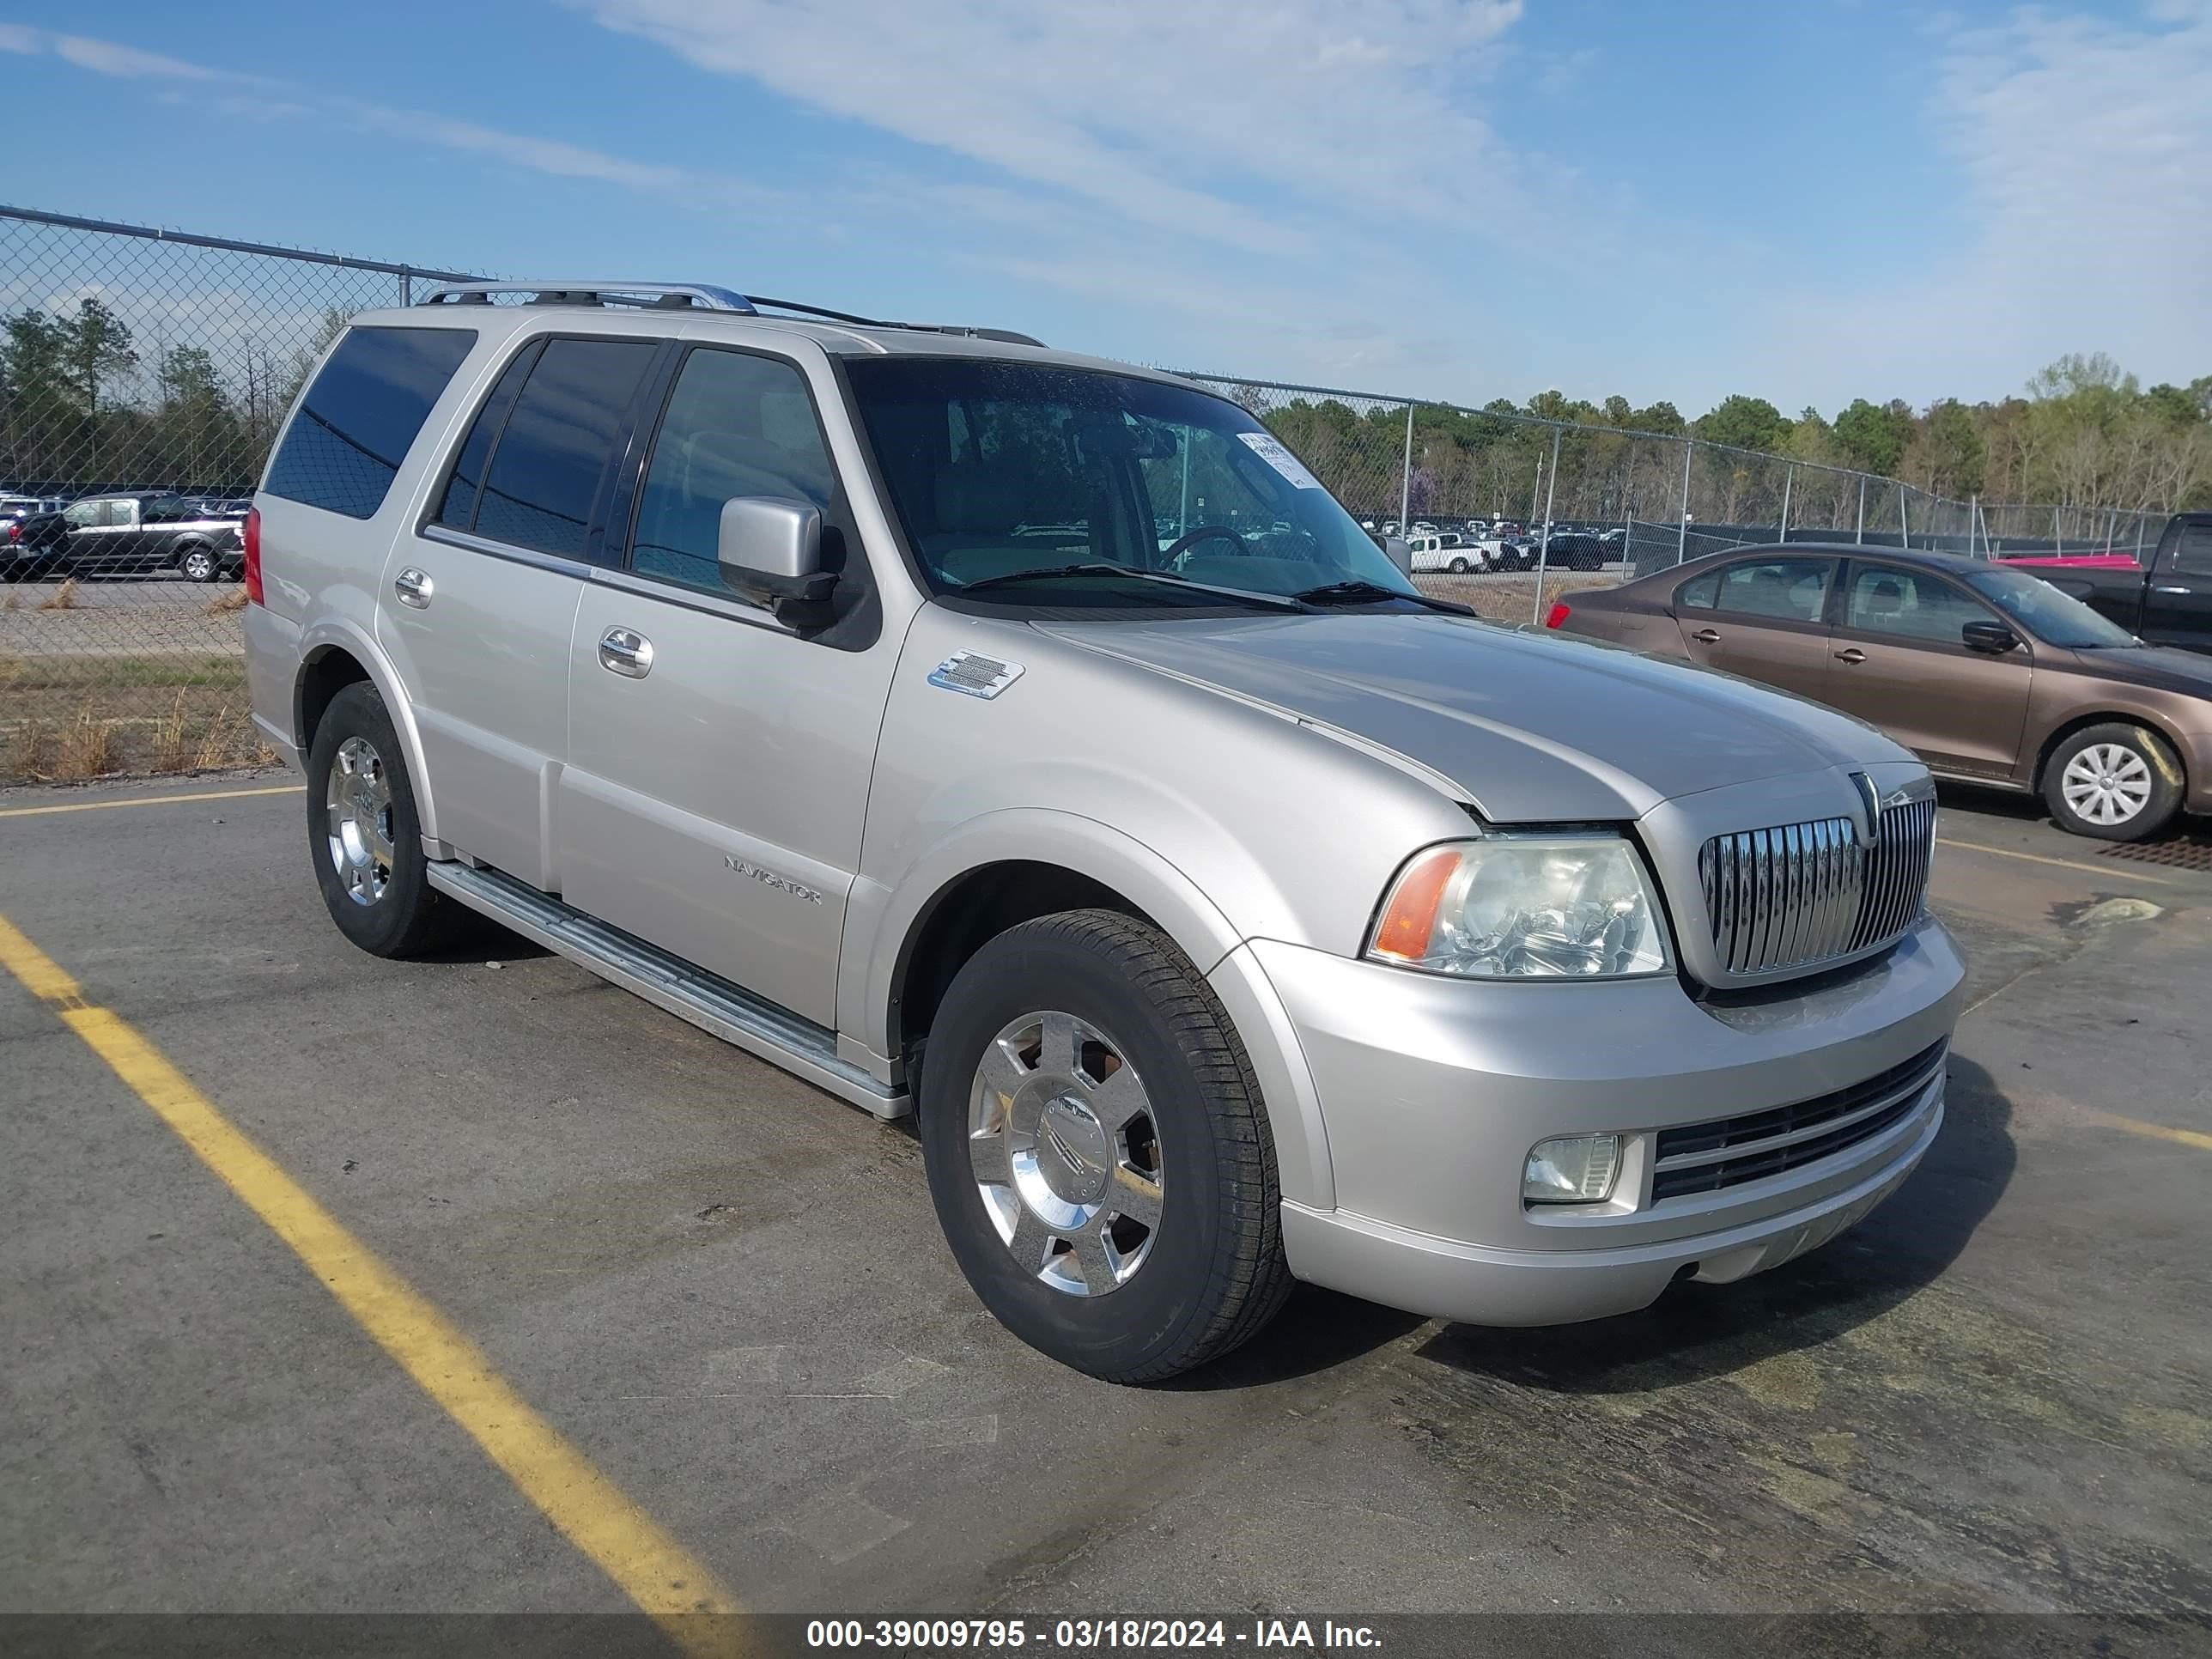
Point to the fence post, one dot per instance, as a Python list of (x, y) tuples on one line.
[(1788, 482), (2111, 526), (406, 288), (1904, 524), (2139, 531), (1682, 531), (1406, 479), (1544, 546), (2058, 532), (1858, 534)]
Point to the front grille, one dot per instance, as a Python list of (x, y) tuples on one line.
[(1800, 894), (1705, 1157)]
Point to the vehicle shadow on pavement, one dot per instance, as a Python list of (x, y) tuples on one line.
[(1316, 1331), (1698, 1332)]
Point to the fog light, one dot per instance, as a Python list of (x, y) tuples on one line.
[(1572, 1170)]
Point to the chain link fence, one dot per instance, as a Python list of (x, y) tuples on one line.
[(144, 374)]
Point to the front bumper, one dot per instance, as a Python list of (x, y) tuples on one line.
[(1430, 1092)]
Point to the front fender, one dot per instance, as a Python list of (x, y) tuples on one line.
[(882, 923)]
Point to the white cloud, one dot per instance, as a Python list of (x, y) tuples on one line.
[(14, 37), (1170, 114), (105, 57), (2084, 147)]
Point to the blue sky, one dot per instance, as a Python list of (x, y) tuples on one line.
[(1807, 200)]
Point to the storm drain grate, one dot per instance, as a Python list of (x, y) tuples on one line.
[(2181, 853)]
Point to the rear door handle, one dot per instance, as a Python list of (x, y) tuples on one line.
[(2171, 587), (1851, 654), (1707, 636), (626, 651), (414, 588)]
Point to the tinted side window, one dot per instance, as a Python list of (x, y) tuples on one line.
[(2193, 557), (459, 507), (1793, 589), (1701, 594), (559, 443), (1906, 605), (360, 416), (737, 425)]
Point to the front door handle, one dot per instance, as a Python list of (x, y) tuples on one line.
[(2171, 587), (1851, 654), (1707, 636), (626, 651), (414, 588)]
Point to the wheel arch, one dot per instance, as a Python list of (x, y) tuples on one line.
[(904, 946), (2176, 750), (334, 655)]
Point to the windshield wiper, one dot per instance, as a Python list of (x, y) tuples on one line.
[(1099, 568), (1367, 592)]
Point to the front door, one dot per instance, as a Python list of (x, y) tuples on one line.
[(1900, 664), (719, 763), (2177, 599), (477, 606), (1764, 618)]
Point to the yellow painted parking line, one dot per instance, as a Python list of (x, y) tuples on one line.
[(2136, 1125), (149, 800), (2113, 871), (653, 1570)]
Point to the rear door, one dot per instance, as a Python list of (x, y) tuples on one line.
[(478, 604), (719, 763), (2177, 607), (1765, 618), (1900, 664)]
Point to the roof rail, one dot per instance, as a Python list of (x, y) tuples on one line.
[(673, 296), (681, 295)]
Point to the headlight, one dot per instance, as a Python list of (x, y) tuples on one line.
[(1525, 907), (1572, 1170)]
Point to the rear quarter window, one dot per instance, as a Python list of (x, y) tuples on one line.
[(362, 415)]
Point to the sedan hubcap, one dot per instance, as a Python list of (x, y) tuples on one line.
[(2106, 783), (359, 801), (1066, 1153)]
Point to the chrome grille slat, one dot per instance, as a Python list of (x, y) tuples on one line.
[(1794, 896)]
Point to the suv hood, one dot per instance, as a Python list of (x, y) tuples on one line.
[(1531, 728)]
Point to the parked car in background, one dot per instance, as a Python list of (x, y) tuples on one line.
[(750, 742), (1989, 674), (1442, 553), (1576, 549), (117, 534), (2168, 603)]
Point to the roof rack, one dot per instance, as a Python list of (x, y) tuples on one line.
[(682, 296), (670, 296)]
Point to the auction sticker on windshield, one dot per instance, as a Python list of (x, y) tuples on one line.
[(1268, 450)]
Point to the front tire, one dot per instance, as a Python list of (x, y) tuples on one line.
[(2115, 783), (1098, 1150), (200, 564), (365, 836)]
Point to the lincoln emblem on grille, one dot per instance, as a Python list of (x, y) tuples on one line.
[(1870, 830)]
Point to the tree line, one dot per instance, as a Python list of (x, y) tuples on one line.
[(83, 407)]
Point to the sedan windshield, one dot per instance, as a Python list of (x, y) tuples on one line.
[(1034, 484), (2054, 617)]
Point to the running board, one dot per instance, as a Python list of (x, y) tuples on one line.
[(708, 1001)]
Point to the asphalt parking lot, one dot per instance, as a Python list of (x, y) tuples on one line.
[(724, 1293)]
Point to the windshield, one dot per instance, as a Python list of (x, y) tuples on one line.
[(2054, 617), (1020, 481)]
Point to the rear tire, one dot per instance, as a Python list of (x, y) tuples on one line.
[(1084, 1101), (2117, 781), (365, 836), (1459, 566)]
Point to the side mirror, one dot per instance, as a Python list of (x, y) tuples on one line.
[(1993, 637), (1399, 553), (771, 551)]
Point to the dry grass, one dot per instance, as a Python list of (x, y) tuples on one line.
[(63, 598), (13, 602), (218, 743), (31, 752), (234, 601), (88, 748), (173, 750)]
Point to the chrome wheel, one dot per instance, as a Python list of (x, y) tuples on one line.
[(1066, 1153), (358, 802), (2106, 783), (200, 565)]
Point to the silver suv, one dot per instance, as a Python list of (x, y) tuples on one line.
[(1031, 744)]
